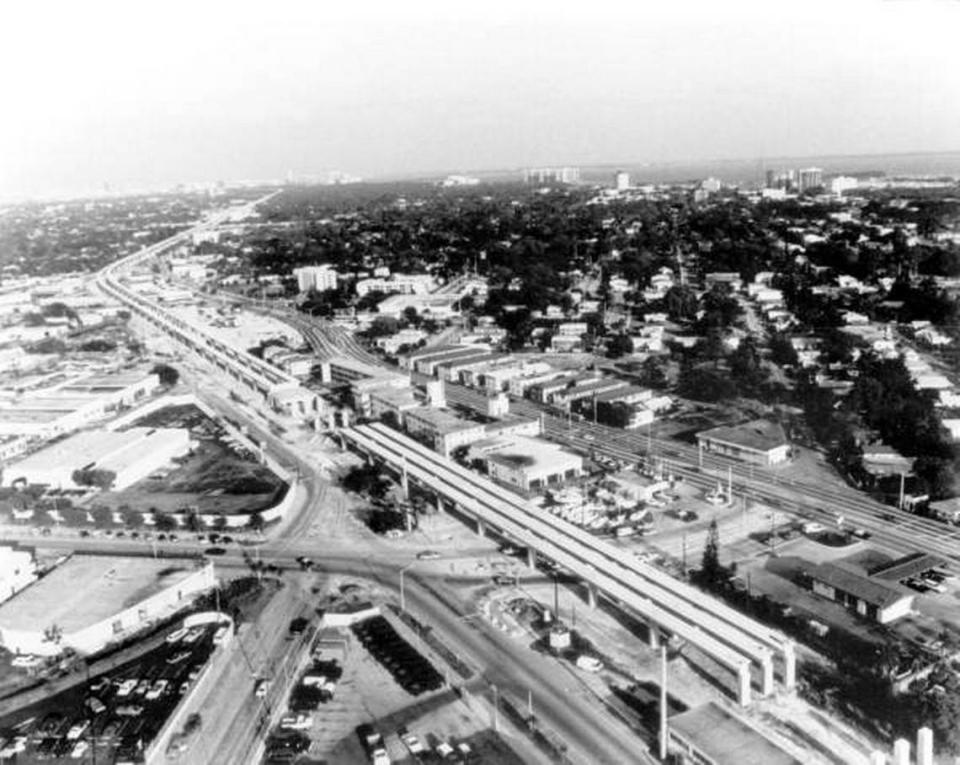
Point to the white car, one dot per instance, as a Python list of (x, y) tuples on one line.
[(158, 689), (178, 635), (193, 635), (589, 663), (413, 744), (77, 730), (261, 688), (126, 687), (79, 750), (297, 722)]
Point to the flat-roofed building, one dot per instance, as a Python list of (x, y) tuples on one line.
[(760, 442), (587, 390), (129, 454), (426, 360), (361, 379), (392, 403), (459, 370), (441, 430), (90, 601), (74, 404), (527, 464)]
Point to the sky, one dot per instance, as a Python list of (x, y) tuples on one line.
[(146, 95)]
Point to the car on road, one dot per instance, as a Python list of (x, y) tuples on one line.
[(215, 551), (861, 533), (177, 635), (193, 635), (305, 563), (261, 688), (428, 555), (129, 710), (589, 663), (95, 705)]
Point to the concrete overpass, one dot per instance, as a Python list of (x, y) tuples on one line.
[(746, 648)]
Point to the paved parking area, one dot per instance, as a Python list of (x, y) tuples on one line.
[(117, 713)]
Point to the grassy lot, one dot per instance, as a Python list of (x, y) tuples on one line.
[(214, 478)]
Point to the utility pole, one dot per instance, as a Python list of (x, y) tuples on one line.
[(663, 700)]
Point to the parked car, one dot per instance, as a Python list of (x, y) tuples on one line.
[(428, 555)]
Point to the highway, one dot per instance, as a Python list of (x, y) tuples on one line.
[(732, 639)]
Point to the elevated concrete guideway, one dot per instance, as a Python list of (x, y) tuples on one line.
[(733, 640), (760, 637), (251, 371)]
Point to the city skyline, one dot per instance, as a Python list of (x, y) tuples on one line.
[(375, 90)]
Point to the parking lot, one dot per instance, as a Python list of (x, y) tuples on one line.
[(113, 717)]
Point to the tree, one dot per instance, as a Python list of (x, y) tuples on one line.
[(619, 345), (711, 572), (383, 326), (168, 375), (220, 522), (164, 522), (256, 522), (102, 516), (97, 477), (193, 521)]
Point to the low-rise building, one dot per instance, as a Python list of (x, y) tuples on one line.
[(443, 431), (871, 597), (760, 442), (74, 404), (90, 601), (527, 464), (129, 455)]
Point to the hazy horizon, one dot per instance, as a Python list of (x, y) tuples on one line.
[(107, 93)]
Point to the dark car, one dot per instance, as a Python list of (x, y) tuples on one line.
[(215, 551)]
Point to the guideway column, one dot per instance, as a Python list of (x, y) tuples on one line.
[(591, 596), (531, 558), (766, 666), (789, 666), (743, 679), (653, 634)]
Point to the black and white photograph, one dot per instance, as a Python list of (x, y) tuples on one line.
[(495, 382)]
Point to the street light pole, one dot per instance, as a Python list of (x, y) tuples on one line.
[(403, 600)]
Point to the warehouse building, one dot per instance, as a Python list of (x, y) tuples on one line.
[(129, 454), (90, 601), (71, 406)]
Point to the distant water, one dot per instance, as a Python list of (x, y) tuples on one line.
[(751, 171)]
